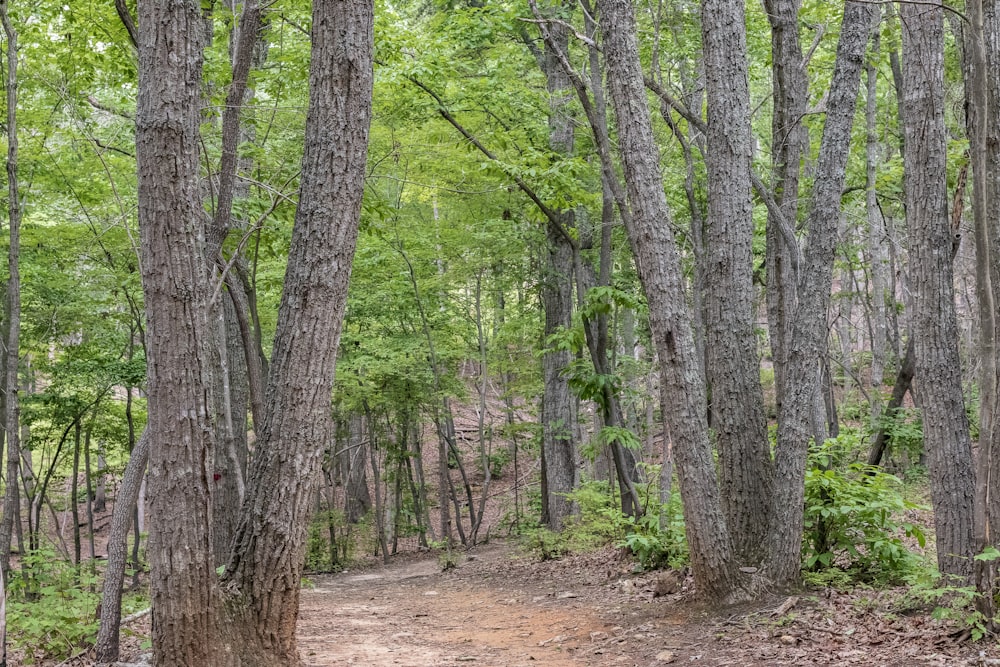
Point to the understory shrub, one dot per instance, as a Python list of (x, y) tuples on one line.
[(655, 539), (853, 518), (54, 615)]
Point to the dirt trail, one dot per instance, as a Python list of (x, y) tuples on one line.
[(485, 612), (500, 610)]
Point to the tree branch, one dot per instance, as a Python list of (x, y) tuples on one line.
[(550, 215)]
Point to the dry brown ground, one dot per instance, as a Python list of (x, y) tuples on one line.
[(502, 609)]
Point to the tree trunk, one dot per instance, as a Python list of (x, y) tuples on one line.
[(558, 417), (177, 291), (648, 227), (809, 321), (353, 466), (265, 569), (732, 363), (106, 646), (878, 254), (12, 320), (982, 99), (789, 141), (938, 379)]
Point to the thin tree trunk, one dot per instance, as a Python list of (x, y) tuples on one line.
[(878, 257), (12, 320), (106, 646), (789, 140), (74, 503), (902, 385)]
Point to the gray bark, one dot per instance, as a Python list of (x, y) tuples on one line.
[(878, 251), (982, 76), (266, 564), (106, 647), (558, 414), (648, 227), (257, 624), (938, 379), (12, 319), (732, 363), (809, 321), (177, 295), (789, 140)]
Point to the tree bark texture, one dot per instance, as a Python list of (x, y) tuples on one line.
[(266, 566), (712, 560), (558, 414), (795, 416), (938, 378), (12, 319), (257, 625), (177, 295), (982, 99), (106, 647), (732, 362), (789, 141)]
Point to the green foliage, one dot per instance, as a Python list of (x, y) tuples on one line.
[(852, 518), (544, 544), (332, 542), (600, 522), (949, 603), (905, 430), (56, 616)]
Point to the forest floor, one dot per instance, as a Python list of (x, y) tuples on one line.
[(502, 608)]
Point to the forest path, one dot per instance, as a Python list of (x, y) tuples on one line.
[(494, 609), (500, 608)]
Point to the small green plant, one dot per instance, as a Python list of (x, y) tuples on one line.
[(545, 544), (951, 604), (645, 540), (851, 519), (58, 618)]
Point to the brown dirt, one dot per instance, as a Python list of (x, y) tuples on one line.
[(502, 609)]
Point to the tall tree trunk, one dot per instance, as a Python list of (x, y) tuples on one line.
[(12, 319), (177, 291), (267, 559), (982, 76), (789, 139), (878, 253), (683, 394), (558, 415), (732, 363), (795, 415), (938, 379)]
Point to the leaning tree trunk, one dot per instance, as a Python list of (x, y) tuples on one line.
[(809, 323), (683, 392), (938, 378), (264, 571), (106, 647), (732, 363)]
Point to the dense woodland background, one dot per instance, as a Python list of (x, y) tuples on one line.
[(716, 282)]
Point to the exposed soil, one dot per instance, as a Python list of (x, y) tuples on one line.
[(503, 609)]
